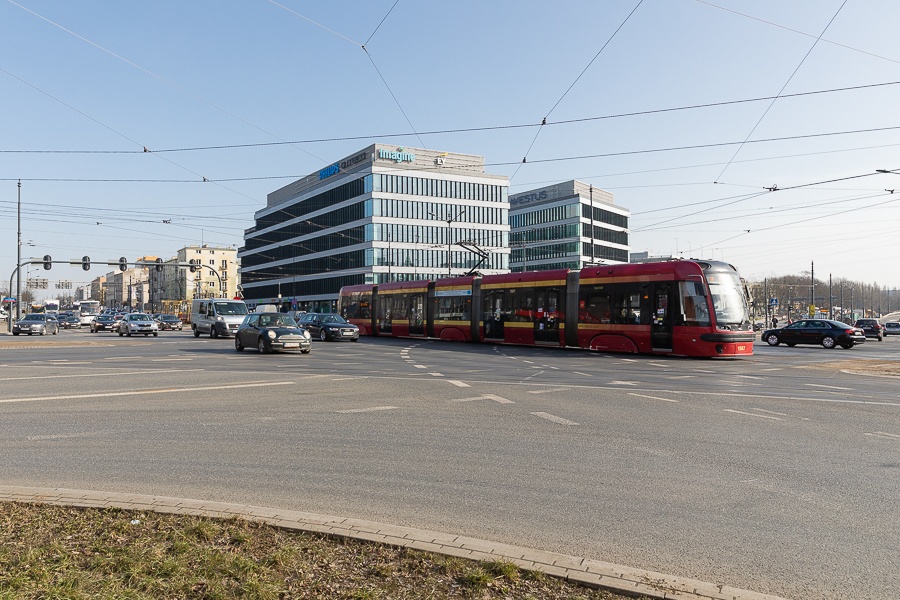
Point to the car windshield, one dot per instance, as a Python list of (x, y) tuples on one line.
[(168, 318), (33, 317), (230, 308), (276, 321), (333, 319), (139, 318)]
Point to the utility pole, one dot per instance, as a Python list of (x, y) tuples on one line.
[(593, 259), (812, 287), (830, 299), (19, 257)]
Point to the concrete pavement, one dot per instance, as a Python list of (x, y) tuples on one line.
[(573, 568)]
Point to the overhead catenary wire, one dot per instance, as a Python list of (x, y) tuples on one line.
[(544, 120), (786, 83), (578, 120)]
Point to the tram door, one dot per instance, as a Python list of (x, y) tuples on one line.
[(546, 321), (661, 315), (417, 314), (492, 314)]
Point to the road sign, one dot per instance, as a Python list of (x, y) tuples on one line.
[(773, 301)]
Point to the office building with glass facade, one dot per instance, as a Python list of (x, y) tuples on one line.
[(385, 213), (566, 226)]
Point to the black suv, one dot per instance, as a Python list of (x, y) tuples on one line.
[(872, 328)]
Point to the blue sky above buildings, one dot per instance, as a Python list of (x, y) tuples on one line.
[(668, 104)]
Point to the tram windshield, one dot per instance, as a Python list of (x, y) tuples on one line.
[(728, 298)]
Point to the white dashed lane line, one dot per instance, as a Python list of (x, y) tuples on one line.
[(653, 397), (752, 414), (365, 410), (554, 418)]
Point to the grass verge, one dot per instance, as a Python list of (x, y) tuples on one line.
[(51, 551)]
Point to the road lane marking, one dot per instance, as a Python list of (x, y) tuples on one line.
[(771, 412), (364, 410), (830, 387), (554, 418), (497, 399), (623, 383), (885, 436), (172, 359), (551, 391), (143, 372), (147, 392), (653, 397), (752, 414), (420, 366), (437, 374), (580, 373), (458, 383)]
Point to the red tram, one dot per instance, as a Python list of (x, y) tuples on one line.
[(682, 307)]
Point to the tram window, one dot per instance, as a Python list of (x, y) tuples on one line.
[(693, 303), (594, 306)]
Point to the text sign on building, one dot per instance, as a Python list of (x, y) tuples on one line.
[(399, 155), (342, 165)]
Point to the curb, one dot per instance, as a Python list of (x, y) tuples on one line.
[(593, 573)]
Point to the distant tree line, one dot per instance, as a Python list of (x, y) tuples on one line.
[(843, 296)]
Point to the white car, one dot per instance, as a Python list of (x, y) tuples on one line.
[(136, 323)]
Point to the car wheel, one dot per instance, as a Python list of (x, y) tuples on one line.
[(196, 332), (44, 332), (155, 334), (790, 345), (238, 345), (212, 331), (773, 340), (16, 332), (828, 342), (120, 333), (847, 345), (263, 349), (55, 332), (354, 340), (304, 351), (128, 333), (323, 335)]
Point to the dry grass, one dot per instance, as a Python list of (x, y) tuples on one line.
[(49, 552)]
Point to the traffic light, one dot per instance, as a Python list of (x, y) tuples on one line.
[(86, 263), (48, 262), (123, 264), (159, 263), (193, 266)]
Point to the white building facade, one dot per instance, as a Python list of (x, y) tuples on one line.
[(568, 225), (385, 213)]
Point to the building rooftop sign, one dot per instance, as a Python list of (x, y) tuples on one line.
[(398, 156)]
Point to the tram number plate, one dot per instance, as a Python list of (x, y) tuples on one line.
[(741, 348)]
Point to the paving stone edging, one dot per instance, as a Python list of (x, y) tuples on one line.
[(585, 571)]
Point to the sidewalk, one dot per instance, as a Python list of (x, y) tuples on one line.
[(574, 568)]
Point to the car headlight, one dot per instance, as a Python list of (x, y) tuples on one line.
[(220, 318), (272, 335), (306, 334)]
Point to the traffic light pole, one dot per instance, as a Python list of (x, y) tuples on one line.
[(85, 264)]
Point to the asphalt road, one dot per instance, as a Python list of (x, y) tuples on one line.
[(778, 473)]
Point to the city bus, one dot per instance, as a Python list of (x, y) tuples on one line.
[(678, 307), (88, 310)]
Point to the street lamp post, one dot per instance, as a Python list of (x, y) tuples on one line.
[(19, 255)]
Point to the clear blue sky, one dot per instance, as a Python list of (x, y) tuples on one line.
[(112, 77)]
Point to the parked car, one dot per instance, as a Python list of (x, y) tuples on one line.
[(816, 331), (329, 327), (136, 323), (105, 322), (169, 322), (892, 328), (270, 332), (69, 321), (871, 327), (36, 323)]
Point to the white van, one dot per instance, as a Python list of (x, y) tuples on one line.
[(217, 316)]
